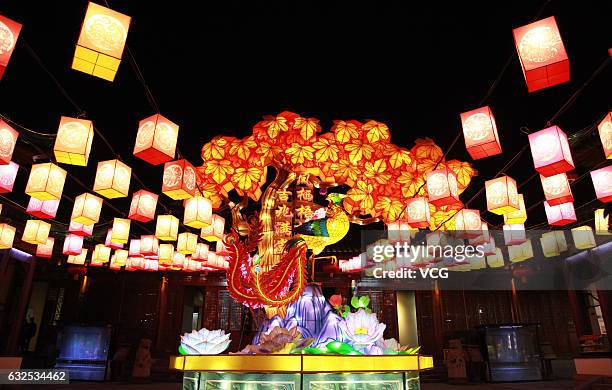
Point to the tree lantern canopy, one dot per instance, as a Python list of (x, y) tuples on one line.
[(80, 229), (8, 173), (73, 245), (187, 243), (417, 212), (46, 181), (519, 216), (9, 32), (42, 208), (179, 180), (167, 227), (87, 208), (468, 223), (602, 224), (605, 134), (7, 236), (73, 141), (543, 58), (45, 250), (442, 187), (514, 234), (120, 230), (149, 245), (557, 189), (496, 260), (520, 252), (214, 231), (112, 179), (198, 212), (8, 135), (101, 254), (502, 195), (134, 248), (78, 259), (36, 232), (583, 237), (101, 42), (602, 181), (480, 133), (550, 151), (156, 140), (166, 253), (561, 214), (143, 206)]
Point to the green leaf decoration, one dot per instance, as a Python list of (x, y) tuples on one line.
[(341, 348), (368, 310), (182, 350), (355, 302), (364, 301)]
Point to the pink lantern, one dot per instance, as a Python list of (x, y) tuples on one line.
[(550, 151), (149, 245), (9, 30), (134, 248), (8, 173), (109, 242), (143, 206), (45, 250), (557, 189), (73, 245), (602, 181), (442, 187), (515, 234), (80, 229), (480, 133), (561, 214), (8, 139), (42, 208)]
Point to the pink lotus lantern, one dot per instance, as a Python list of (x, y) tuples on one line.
[(550, 151), (602, 181), (42, 208), (73, 245), (442, 187), (557, 189)]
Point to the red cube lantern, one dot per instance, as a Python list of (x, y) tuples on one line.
[(557, 189), (45, 250), (156, 140), (80, 229), (602, 181), (42, 208), (179, 180), (605, 134), (502, 195), (417, 212), (468, 223), (9, 32), (542, 54), (560, 215), (8, 173), (550, 151), (73, 245), (143, 206), (480, 133), (442, 187), (8, 137)]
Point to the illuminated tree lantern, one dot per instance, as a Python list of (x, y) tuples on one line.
[(73, 141), (120, 231), (167, 227), (602, 181), (149, 245), (156, 140), (87, 208), (480, 133), (143, 206), (214, 231), (442, 187), (187, 243), (9, 32), (550, 151), (101, 42), (78, 259), (198, 212), (514, 234), (8, 173), (468, 223), (112, 179), (557, 189), (560, 215), (134, 249), (179, 181), (417, 212), (519, 216), (46, 181), (101, 254), (553, 243), (8, 135), (7, 236), (502, 195), (73, 245), (80, 229), (520, 252), (36, 232), (166, 253), (201, 252), (120, 257), (543, 58), (583, 237), (42, 208), (178, 260), (602, 225), (45, 250), (605, 134)]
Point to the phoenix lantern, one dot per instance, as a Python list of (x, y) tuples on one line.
[(167, 227), (442, 187), (36, 232), (87, 208), (45, 250), (8, 173), (179, 181), (7, 236), (73, 141), (46, 181), (112, 179), (480, 133), (214, 231), (9, 32), (143, 206), (561, 214), (156, 140), (198, 212), (602, 181), (605, 134), (73, 245), (8, 135), (550, 151), (417, 212), (42, 208), (557, 189), (502, 195)]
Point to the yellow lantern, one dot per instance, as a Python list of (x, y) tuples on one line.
[(78, 259), (496, 260), (167, 227), (214, 231), (166, 253), (178, 260), (112, 179), (520, 252), (86, 210), (7, 235), (149, 245), (502, 195), (120, 258), (120, 231), (201, 252), (187, 243), (583, 237), (36, 232), (519, 216), (46, 181), (73, 141), (101, 254), (198, 212), (553, 243), (602, 225)]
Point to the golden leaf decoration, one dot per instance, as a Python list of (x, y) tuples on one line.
[(215, 149), (359, 150), (300, 153), (397, 156), (326, 150), (464, 171), (411, 183), (245, 178), (275, 125), (389, 208), (219, 170), (376, 131), (345, 131), (377, 170), (307, 126), (242, 148)]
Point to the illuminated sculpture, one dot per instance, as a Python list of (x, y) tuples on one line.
[(36, 232), (46, 181), (502, 195), (8, 135), (7, 235), (9, 32), (42, 208), (179, 180), (205, 342), (557, 189), (550, 151), (602, 181), (480, 133), (73, 141), (143, 206), (605, 134), (112, 179), (8, 173)]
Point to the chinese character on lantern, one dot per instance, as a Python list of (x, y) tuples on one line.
[(87, 208), (8, 173), (417, 212), (502, 195), (480, 133), (9, 31), (8, 135), (73, 141), (442, 187), (36, 232), (179, 181), (602, 181), (45, 250), (73, 245), (561, 214), (156, 140), (550, 151), (143, 206), (557, 189), (42, 208), (112, 179), (605, 134), (46, 181)]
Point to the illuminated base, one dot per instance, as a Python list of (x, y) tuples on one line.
[(95, 63), (111, 193)]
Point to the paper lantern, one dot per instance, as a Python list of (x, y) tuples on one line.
[(468, 223), (550, 151), (152, 266), (560, 215), (483, 236), (112, 179), (435, 242), (9, 32), (36, 232), (553, 243), (192, 266), (520, 252), (73, 244), (8, 173), (519, 216), (7, 236), (45, 250), (46, 181), (489, 247), (187, 243), (480, 133), (120, 230), (42, 208), (557, 189), (78, 259), (178, 260), (605, 134), (109, 240), (398, 232), (442, 187), (134, 249), (583, 237), (167, 227), (201, 252), (87, 208), (101, 42), (73, 141), (80, 229), (101, 254), (214, 231), (166, 253), (514, 234), (149, 245), (120, 257), (602, 225), (496, 260), (602, 181), (8, 135), (156, 140), (143, 206), (543, 58), (198, 212), (113, 263), (417, 212), (502, 195), (179, 181)]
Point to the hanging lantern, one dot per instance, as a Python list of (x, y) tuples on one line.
[(179, 181), (143, 206), (166, 253), (520, 252), (550, 151), (101, 254), (602, 181), (73, 245), (583, 237), (8, 173), (87, 208), (489, 247), (602, 225), (483, 237), (557, 189), (78, 259), (152, 266), (46, 181), (435, 242), (496, 260), (187, 243), (201, 252), (156, 140), (80, 229), (514, 234), (120, 231), (134, 249), (120, 257), (519, 216), (109, 240), (198, 212), (42, 208), (560, 215), (398, 232), (36, 232), (7, 236), (502, 195), (73, 141), (417, 212), (480, 133), (9, 32), (192, 266), (178, 260), (214, 231), (605, 134), (134, 263), (468, 223), (112, 179), (149, 245), (101, 42), (553, 243), (442, 187), (543, 58), (8, 135), (167, 227), (45, 250)]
